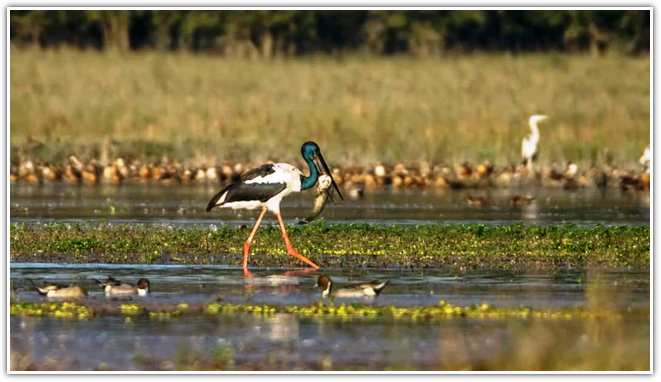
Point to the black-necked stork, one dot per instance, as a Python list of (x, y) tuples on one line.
[(529, 143), (265, 187)]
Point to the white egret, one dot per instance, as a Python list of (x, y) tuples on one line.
[(529, 143)]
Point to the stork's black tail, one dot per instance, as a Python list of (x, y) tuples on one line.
[(378, 287), (213, 202)]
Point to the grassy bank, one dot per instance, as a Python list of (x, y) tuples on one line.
[(458, 247), (207, 109)]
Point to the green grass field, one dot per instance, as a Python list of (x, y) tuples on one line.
[(202, 108)]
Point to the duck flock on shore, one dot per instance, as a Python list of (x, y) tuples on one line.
[(361, 178), (356, 179)]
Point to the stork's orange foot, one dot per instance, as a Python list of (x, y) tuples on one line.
[(293, 252)]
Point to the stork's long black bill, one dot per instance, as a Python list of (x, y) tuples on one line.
[(329, 173)]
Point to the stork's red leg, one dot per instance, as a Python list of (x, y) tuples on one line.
[(248, 242), (290, 248)]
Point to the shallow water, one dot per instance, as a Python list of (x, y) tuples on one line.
[(286, 341), (186, 205), (186, 283)]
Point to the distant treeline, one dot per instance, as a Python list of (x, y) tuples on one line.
[(285, 33)]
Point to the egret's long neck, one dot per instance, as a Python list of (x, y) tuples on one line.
[(310, 180), (535, 131)]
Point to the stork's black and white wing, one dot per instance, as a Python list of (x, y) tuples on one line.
[(255, 187)]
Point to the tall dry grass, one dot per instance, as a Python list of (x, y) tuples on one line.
[(360, 109)]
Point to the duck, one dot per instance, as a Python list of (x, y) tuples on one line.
[(520, 200), (484, 169), (112, 174), (463, 171), (632, 182), (357, 192), (477, 201), (370, 289), (91, 172), (49, 172), (61, 291), (145, 171), (380, 171), (115, 288)]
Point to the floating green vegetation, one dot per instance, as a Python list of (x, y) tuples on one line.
[(457, 247), (71, 310), (130, 309), (443, 310)]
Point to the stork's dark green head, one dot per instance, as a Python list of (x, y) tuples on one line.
[(309, 150), (316, 164)]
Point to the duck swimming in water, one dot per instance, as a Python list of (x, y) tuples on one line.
[(369, 289), (116, 288), (61, 291)]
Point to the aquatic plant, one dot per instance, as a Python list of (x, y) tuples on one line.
[(443, 310), (69, 310), (459, 248)]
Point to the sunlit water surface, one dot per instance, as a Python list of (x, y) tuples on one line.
[(286, 341), (186, 205)]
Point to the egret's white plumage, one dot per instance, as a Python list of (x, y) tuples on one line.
[(645, 158), (529, 143)]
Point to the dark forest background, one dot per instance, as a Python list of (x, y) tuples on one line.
[(288, 33)]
